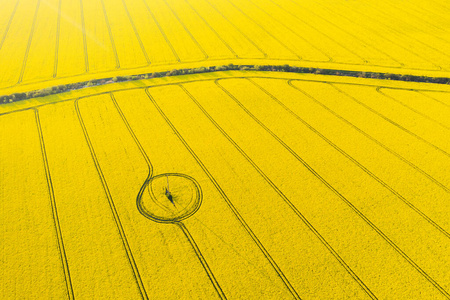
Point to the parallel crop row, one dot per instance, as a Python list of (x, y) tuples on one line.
[(301, 196)]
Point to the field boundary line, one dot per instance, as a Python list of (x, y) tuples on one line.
[(330, 59), (133, 265), (83, 28), (251, 76), (58, 31), (371, 138), (226, 60), (136, 33), (346, 201), (410, 108), (288, 202), (30, 38), (206, 56), (5, 34), (206, 79), (348, 156), (389, 120), (212, 29), (175, 54), (111, 37), (226, 199), (56, 223)]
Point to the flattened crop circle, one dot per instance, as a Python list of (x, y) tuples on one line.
[(170, 197)]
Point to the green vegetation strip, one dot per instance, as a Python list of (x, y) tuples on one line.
[(175, 72)]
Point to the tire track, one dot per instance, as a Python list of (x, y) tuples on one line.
[(113, 44), (166, 220), (321, 33), (162, 32), (399, 33), (133, 135), (330, 59), (136, 33), (342, 197), (438, 67), (441, 12), (441, 185), (264, 30), (432, 98), (83, 27), (378, 89), (149, 165), (59, 237), (420, 13), (212, 29), (144, 212), (345, 154), (227, 200), (441, 5), (5, 34), (194, 80), (390, 121), (206, 56), (237, 29), (58, 30), (418, 16), (202, 259), (30, 38), (123, 237), (401, 65), (286, 200)]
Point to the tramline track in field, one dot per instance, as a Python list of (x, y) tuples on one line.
[(412, 109), (57, 225), (227, 200), (285, 199), (178, 223), (418, 137), (30, 38), (126, 245), (5, 34), (353, 160)]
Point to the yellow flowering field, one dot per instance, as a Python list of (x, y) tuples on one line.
[(241, 187), (232, 184), (47, 42)]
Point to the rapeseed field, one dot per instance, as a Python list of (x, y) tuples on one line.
[(224, 185), (46, 42)]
